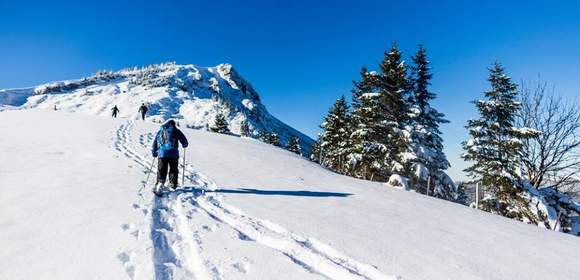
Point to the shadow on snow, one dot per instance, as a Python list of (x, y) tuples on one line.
[(283, 193), (197, 192)]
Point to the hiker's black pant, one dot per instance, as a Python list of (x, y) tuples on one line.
[(143, 116), (167, 163)]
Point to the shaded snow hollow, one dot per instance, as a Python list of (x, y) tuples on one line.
[(72, 208)]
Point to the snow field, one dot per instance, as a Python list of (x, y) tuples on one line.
[(73, 208), (176, 257)]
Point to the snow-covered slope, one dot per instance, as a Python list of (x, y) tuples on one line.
[(189, 93), (72, 208)]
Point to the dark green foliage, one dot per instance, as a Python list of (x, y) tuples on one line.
[(380, 117), (334, 140), (316, 153), (274, 139), (367, 150), (368, 83), (263, 136), (495, 145), (394, 87), (245, 129), (270, 138), (294, 146), (426, 140), (220, 124), (391, 129)]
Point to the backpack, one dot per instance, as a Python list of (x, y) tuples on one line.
[(167, 140)]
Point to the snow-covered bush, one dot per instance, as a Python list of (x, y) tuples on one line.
[(545, 207), (66, 86), (560, 211), (398, 181)]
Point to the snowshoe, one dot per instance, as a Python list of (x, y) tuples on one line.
[(157, 189)]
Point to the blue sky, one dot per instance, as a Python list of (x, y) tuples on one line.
[(300, 55)]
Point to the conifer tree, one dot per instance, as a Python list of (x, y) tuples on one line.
[(394, 87), (271, 138), (245, 129), (367, 152), (368, 83), (274, 139), (495, 147), (334, 139), (426, 141), (220, 124), (294, 146), (380, 143), (315, 154), (263, 136)]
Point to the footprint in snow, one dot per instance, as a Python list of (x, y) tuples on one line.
[(242, 266), (244, 237), (125, 259), (126, 227)]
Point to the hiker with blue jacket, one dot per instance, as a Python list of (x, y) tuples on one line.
[(166, 150)]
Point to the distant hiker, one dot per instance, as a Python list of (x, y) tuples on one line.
[(115, 111), (166, 149), (143, 110), (55, 107)]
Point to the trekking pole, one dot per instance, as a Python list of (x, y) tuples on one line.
[(148, 173), (183, 174)]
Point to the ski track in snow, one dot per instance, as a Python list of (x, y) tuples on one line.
[(177, 254)]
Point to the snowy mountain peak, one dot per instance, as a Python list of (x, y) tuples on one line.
[(191, 94)]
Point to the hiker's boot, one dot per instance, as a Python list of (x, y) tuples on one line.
[(158, 187)]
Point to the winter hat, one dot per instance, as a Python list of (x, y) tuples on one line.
[(169, 122)]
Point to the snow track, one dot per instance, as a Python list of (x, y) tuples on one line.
[(312, 255), (176, 255)]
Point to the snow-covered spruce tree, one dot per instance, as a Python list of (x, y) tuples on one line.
[(263, 136), (495, 148), (220, 124), (380, 144), (394, 88), (334, 138), (245, 129), (367, 152), (274, 139), (271, 138), (426, 141), (294, 146), (315, 154), (368, 83)]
